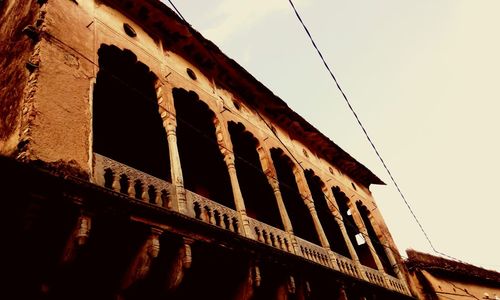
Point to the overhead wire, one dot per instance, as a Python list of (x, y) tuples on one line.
[(365, 132)]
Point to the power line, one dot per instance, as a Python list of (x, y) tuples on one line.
[(177, 11), (365, 132)]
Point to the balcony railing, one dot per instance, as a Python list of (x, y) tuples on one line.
[(144, 187)]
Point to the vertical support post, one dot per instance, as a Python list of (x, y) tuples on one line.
[(226, 148), (306, 195), (272, 178), (334, 208), (167, 112), (361, 225)]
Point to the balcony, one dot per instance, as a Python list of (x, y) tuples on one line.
[(144, 187)]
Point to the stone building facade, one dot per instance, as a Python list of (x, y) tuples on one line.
[(140, 162)]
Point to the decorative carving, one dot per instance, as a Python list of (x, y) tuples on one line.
[(270, 235), (213, 213), (291, 285), (130, 181), (82, 235), (139, 268), (314, 252), (257, 279)]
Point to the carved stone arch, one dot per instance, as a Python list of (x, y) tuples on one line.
[(328, 213), (200, 140), (260, 201), (127, 123), (293, 196)]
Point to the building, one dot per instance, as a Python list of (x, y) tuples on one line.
[(441, 278), (140, 162)]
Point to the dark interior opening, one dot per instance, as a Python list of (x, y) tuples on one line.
[(377, 244), (127, 125), (330, 225), (298, 212), (364, 254), (215, 273), (203, 166), (259, 197)]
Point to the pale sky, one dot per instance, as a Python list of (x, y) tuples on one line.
[(423, 77)]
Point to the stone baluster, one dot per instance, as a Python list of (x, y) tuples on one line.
[(226, 149), (167, 112)]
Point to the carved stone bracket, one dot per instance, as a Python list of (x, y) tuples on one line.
[(140, 266)]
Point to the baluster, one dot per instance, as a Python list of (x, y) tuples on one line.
[(230, 223), (266, 237), (259, 235), (211, 216), (122, 185)]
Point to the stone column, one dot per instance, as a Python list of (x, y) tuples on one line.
[(334, 208), (306, 195), (362, 228), (226, 149), (272, 177), (167, 112)]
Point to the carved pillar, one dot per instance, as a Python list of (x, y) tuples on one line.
[(226, 148), (139, 268), (167, 112), (306, 195), (362, 228), (272, 177), (334, 208)]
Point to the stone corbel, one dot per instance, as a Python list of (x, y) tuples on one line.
[(141, 265), (77, 239), (182, 262), (256, 277), (291, 287)]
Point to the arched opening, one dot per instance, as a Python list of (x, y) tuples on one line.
[(259, 198), (361, 247), (203, 166), (127, 126), (377, 244), (330, 225), (302, 222)]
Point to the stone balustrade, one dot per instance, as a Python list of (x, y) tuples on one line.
[(374, 276), (396, 285), (346, 265), (271, 236), (132, 182), (144, 187), (314, 252), (213, 213)]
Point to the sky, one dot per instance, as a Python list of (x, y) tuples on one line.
[(423, 78)]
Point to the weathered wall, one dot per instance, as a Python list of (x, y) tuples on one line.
[(58, 124), (15, 51)]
